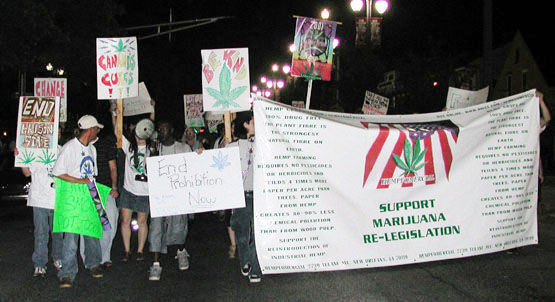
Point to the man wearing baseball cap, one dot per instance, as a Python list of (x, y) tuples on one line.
[(76, 163)]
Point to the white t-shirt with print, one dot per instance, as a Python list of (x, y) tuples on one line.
[(76, 160), (42, 193), (175, 148), (139, 188)]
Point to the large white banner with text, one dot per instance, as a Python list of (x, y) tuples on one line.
[(340, 191), (191, 183)]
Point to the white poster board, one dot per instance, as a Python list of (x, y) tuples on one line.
[(212, 120), (37, 131), (374, 103), (461, 98), (139, 104), (192, 183), (193, 110), (53, 87), (344, 191), (225, 79), (117, 68)]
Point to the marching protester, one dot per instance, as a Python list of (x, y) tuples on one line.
[(242, 218), (190, 138), (106, 153), (221, 142), (76, 163), (134, 194), (171, 230), (41, 197)]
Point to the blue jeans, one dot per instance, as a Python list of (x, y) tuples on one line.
[(107, 236), (69, 255), (243, 225), (42, 219)]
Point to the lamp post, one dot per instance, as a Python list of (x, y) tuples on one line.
[(380, 5)]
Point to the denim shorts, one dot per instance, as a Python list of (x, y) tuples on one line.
[(136, 203)]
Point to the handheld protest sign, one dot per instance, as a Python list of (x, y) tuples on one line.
[(37, 131), (53, 87), (117, 68)]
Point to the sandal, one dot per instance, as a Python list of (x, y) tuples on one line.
[(126, 256), (231, 251), (140, 257)]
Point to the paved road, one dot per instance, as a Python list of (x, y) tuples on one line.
[(524, 274)]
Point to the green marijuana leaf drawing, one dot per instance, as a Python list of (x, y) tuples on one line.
[(47, 157), (310, 73), (120, 47), (225, 97), (413, 157), (27, 157)]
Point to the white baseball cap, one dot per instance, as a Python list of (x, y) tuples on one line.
[(88, 121)]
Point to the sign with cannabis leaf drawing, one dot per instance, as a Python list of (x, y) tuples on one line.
[(117, 68), (37, 131), (313, 55), (225, 79), (412, 161)]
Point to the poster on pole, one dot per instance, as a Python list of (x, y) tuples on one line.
[(192, 183), (37, 131), (344, 191), (461, 98), (117, 68), (53, 87), (313, 55), (374, 103), (139, 104), (213, 119), (193, 110), (361, 26), (225, 79)]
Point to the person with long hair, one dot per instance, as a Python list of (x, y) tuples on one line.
[(242, 218), (134, 195)]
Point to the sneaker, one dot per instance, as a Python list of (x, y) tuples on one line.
[(155, 272), (254, 278), (246, 269), (182, 259), (96, 271), (39, 272), (66, 282), (58, 264)]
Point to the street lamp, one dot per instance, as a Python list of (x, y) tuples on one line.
[(286, 69), (263, 79), (363, 24), (325, 14)]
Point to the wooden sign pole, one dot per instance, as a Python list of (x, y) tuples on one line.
[(308, 93), (119, 121), (227, 123)]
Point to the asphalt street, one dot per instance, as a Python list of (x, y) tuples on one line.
[(523, 274)]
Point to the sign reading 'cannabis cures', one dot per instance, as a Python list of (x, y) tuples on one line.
[(340, 191)]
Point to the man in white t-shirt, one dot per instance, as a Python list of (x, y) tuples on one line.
[(76, 163), (170, 230)]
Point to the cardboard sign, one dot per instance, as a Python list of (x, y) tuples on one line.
[(53, 87), (117, 68), (193, 110), (345, 191), (192, 183), (213, 119), (225, 79), (37, 131), (461, 98), (139, 104), (313, 55), (374, 103)]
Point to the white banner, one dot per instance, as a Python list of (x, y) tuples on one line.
[(53, 87), (374, 103), (225, 79), (354, 191), (117, 68), (192, 183), (461, 98), (37, 131), (139, 104)]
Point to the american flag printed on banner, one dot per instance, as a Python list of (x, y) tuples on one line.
[(407, 155)]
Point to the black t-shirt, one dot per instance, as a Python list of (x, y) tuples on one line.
[(105, 152)]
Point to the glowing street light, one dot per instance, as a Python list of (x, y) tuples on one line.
[(325, 14), (49, 67), (292, 47), (263, 79), (357, 5), (267, 93), (381, 6), (280, 84), (286, 69), (254, 88), (60, 72), (269, 84), (335, 42), (275, 67)]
